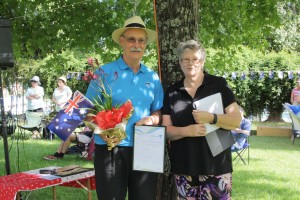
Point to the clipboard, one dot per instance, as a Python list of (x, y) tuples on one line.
[(218, 139)]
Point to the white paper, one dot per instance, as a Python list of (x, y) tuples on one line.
[(149, 148), (212, 104)]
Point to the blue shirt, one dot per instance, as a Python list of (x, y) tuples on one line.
[(143, 89)]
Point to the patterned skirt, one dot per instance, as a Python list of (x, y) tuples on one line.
[(204, 187)]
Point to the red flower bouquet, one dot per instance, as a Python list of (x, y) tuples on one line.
[(107, 119)]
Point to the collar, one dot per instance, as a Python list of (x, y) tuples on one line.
[(124, 66), (206, 80)]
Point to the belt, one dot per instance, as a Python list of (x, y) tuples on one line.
[(36, 110)]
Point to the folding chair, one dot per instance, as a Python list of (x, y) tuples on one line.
[(84, 146), (33, 121), (295, 127), (295, 120), (239, 152)]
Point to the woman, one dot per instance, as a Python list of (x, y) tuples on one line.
[(61, 94), (198, 175), (295, 97), (35, 102)]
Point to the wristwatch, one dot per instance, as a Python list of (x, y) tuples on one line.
[(215, 119)]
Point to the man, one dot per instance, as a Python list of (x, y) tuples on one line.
[(127, 79), (240, 134), (84, 137)]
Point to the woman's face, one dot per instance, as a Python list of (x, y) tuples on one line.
[(60, 83), (190, 62), (34, 84)]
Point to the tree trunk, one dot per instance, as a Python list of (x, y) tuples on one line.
[(274, 116), (177, 22)]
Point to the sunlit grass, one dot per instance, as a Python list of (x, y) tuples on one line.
[(273, 172)]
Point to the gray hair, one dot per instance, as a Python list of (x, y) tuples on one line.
[(193, 45)]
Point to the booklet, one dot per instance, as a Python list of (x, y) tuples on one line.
[(218, 139)]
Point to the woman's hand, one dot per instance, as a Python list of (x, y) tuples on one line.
[(196, 130), (202, 116)]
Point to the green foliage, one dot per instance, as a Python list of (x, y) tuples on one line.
[(256, 94)]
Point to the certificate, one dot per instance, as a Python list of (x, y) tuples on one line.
[(149, 148)]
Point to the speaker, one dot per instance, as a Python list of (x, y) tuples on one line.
[(6, 52)]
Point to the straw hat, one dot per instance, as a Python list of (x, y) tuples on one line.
[(36, 79), (134, 22), (63, 79)]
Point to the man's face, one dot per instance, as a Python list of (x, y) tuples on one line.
[(133, 43)]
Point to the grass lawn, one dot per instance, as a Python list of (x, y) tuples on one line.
[(273, 172)]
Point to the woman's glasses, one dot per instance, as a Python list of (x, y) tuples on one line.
[(188, 61)]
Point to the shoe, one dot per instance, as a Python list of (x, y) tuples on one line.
[(50, 157), (36, 135)]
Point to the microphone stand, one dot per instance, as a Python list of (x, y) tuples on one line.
[(4, 128)]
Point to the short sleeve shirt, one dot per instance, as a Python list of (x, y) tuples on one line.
[(35, 103), (62, 96), (143, 89), (191, 155)]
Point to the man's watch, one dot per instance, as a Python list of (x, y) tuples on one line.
[(215, 119)]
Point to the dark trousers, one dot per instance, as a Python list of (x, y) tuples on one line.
[(114, 176)]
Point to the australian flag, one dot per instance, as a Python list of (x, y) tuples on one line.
[(70, 116)]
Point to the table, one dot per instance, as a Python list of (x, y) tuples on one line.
[(12, 185)]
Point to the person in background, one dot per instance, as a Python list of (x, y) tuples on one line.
[(198, 175), (83, 137), (127, 79), (240, 134), (295, 94), (61, 94), (35, 102)]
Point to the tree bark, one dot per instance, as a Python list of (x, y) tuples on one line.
[(177, 22)]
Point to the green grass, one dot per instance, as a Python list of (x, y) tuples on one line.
[(273, 172)]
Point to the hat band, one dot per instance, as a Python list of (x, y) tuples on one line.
[(135, 25)]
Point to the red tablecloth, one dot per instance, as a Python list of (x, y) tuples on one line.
[(83, 182), (11, 184)]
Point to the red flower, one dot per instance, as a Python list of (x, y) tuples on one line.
[(126, 109), (110, 118)]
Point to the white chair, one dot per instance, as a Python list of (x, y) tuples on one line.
[(33, 121)]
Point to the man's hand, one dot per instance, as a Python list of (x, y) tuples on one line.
[(145, 121), (107, 139)]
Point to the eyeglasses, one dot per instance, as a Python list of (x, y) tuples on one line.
[(188, 61), (132, 40)]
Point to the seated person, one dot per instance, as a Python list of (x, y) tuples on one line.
[(83, 137), (240, 134)]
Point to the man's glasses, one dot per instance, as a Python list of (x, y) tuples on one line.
[(188, 61), (132, 40)]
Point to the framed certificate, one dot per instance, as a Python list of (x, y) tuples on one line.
[(149, 148)]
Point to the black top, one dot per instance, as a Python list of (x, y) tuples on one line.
[(191, 155)]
